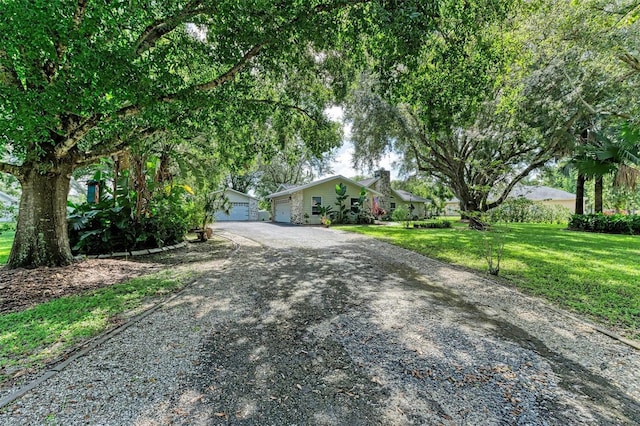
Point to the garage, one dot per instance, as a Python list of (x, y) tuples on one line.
[(283, 211), (239, 211), (243, 207)]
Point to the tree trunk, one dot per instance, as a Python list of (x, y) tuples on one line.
[(580, 194), (41, 234), (597, 192)]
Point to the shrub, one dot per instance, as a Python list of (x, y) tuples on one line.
[(524, 210), (104, 227), (613, 224), (433, 224), (400, 214)]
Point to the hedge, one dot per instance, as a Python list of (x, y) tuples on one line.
[(609, 224)]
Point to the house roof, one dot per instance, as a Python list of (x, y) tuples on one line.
[(398, 193), (368, 182), (408, 196), (235, 192), (8, 199), (285, 186), (541, 193), (293, 189), (535, 193)]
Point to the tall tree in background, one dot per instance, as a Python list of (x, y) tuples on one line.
[(453, 114), (496, 92), (590, 48)]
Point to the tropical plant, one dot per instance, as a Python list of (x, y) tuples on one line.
[(97, 228), (362, 214), (342, 214), (325, 215), (212, 203)]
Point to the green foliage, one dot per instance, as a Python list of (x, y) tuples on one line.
[(212, 203), (522, 209), (401, 214), (433, 224), (84, 80), (608, 224), (326, 212), (593, 274), (363, 215), (342, 214), (104, 227), (47, 330)]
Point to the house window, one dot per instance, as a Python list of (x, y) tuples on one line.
[(355, 206), (316, 203), (393, 206)]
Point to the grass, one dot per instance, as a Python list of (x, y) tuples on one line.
[(35, 335), (6, 239), (593, 274)]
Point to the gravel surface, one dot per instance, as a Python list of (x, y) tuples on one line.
[(314, 326)]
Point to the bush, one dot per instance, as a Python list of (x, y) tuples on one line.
[(524, 210), (613, 224), (433, 224), (400, 214), (105, 228)]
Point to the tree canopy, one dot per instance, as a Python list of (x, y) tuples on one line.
[(498, 90), (80, 80)]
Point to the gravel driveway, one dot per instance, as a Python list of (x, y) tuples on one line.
[(306, 325)]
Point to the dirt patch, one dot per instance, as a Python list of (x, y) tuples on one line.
[(21, 289)]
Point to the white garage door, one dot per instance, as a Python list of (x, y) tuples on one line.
[(239, 211), (283, 211)]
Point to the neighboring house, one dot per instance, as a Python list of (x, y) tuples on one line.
[(392, 198), (243, 207), (10, 207), (301, 204), (543, 194)]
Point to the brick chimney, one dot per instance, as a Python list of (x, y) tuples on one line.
[(383, 186)]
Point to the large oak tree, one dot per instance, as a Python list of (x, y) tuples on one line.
[(80, 79)]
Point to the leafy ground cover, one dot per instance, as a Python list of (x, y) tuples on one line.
[(593, 274)]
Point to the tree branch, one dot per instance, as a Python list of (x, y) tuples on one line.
[(631, 61), (86, 158), (515, 180), (233, 71), (283, 105), (161, 27), (12, 169), (153, 33), (51, 68)]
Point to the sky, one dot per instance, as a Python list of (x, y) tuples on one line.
[(343, 164)]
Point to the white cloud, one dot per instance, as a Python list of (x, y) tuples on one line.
[(343, 163)]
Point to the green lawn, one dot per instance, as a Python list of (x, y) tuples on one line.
[(594, 274), (6, 239), (45, 331)]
